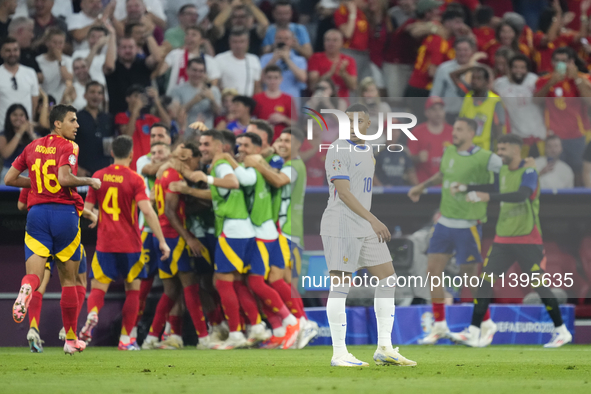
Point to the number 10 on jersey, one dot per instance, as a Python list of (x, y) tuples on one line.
[(367, 185)]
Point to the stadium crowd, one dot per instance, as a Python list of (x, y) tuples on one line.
[(164, 71)]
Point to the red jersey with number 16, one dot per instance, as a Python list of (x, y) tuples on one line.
[(43, 158), (121, 190)]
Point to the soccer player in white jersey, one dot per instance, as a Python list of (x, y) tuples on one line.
[(354, 238)]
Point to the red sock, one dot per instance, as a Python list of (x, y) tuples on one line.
[(439, 311), (129, 311), (31, 279), (486, 315), (215, 316), (268, 295), (193, 303), (34, 310), (81, 292), (229, 303), (69, 305), (284, 292), (273, 318), (145, 287), (247, 302), (176, 325), (300, 303), (162, 309), (96, 300)]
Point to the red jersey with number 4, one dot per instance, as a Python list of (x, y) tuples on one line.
[(43, 158), (121, 190), (161, 189)]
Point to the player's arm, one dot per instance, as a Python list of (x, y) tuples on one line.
[(154, 224), (274, 178), (183, 188), (529, 183), (415, 192), (89, 214), (243, 175), (67, 179), (14, 178), (344, 191), (171, 203)]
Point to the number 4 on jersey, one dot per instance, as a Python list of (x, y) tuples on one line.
[(111, 203)]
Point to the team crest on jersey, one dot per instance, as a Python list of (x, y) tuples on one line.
[(336, 165), (345, 259), (72, 160)]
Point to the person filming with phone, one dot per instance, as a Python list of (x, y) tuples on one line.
[(567, 95)]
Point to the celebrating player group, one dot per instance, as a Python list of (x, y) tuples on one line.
[(225, 238)]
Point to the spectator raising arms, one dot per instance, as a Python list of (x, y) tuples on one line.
[(240, 14), (91, 14), (44, 19), (98, 38), (350, 19), (272, 104), (21, 28), (282, 15)]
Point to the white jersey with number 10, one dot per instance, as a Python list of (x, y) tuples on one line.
[(356, 163)]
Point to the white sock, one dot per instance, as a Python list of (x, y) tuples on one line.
[(167, 328), (384, 309), (236, 335), (337, 318), (279, 332), (124, 339), (289, 320), (133, 333), (562, 329)]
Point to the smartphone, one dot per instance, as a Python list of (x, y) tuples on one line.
[(280, 45), (561, 68)]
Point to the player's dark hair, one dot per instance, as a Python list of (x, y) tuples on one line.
[(194, 148), (266, 127), (8, 40), (280, 3), (133, 89), (296, 133), (481, 69), (229, 137), (520, 57), (564, 51), (484, 15), (453, 13), (357, 108), (97, 28), (58, 113), (215, 134), (196, 60), (9, 131), (272, 68), (93, 83), (247, 101), (512, 139), (197, 29), (129, 28), (254, 138), (163, 125), (470, 122), (158, 143), (184, 8), (122, 146)]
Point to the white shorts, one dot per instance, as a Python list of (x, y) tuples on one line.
[(351, 254)]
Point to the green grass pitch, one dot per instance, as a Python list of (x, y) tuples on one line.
[(441, 370)]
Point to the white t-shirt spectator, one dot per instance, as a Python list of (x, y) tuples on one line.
[(240, 74), (96, 68), (80, 101), (200, 111), (79, 21), (176, 60), (62, 8), (52, 78), (561, 176), (525, 116), (27, 86), (153, 6)]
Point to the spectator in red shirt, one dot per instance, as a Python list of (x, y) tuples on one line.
[(506, 35), (136, 121), (273, 105), (400, 52), (350, 19), (333, 64), (566, 115), (485, 31), (433, 137), (380, 26)]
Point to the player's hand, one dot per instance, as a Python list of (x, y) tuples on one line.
[(178, 187), (165, 250), (456, 187), (477, 197), (423, 156), (252, 160), (199, 126), (415, 193), (381, 231), (530, 162), (195, 246), (93, 219), (95, 183), (197, 176), (218, 157)]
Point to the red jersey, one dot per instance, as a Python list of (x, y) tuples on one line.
[(401, 47), (121, 190), (321, 63), (543, 52), (435, 144), (360, 38), (484, 35), (377, 43), (23, 196), (43, 158), (575, 6), (267, 106), (499, 6), (161, 189), (141, 135), (433, 51), (565, 114)]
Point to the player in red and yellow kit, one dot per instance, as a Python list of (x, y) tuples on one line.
[(53, 223), (177, 271), (119, 245)]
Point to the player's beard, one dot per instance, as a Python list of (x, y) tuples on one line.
[(518, 81)]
